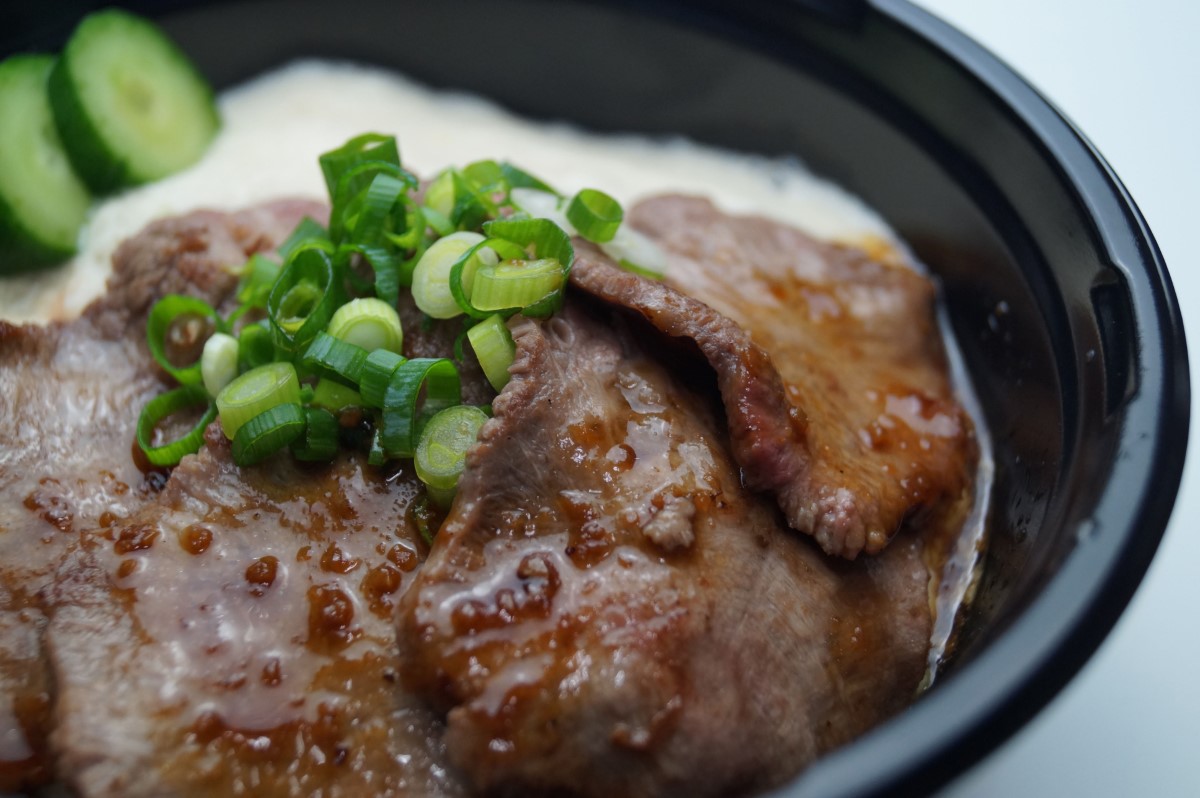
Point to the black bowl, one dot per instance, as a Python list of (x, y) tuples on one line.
[(1053, 284)]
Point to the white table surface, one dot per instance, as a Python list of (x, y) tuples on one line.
[(1128, 74)]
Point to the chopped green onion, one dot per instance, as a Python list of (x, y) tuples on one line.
[(439, 196), (335, 397), (439, 379), (377, 372), (254, 392), (303, 299), (368, 322), (309, 233), (462, 272), (320, 439), (431, 278), (471, 206), (493, 345), (257, 277), (256, 346), (485, 176), (519, 178), (595, 215), (540, 238), (334, 359), (515, 284), (187, 321), (268, 432), (219, 362), (165, 405), (355, 152), (378, 202), (636, 252), (441, 453)]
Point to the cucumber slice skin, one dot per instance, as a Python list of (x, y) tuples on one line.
[(95, 134), (37, 182)]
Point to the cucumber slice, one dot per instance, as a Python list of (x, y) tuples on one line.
[(129, 105), (42, 202)]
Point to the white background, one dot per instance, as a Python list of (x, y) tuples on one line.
[(1128, 74)]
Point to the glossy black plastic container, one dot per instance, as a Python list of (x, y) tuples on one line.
[(1053, 283)]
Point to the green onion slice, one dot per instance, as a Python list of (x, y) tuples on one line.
[(219, 362), (462, 271), (540, 238), (267, 433), (187, 321), (320, 439), (431, 277), (309, 233), (377, 372), (368, 322), (256, 346), (333, 359), (257, 277), (494, 347), (303, 299), (441, 453), (255, 392), (335, 397), (595, 215), (358, 150), (439, 196), (165, 405), (513, 285), (434, 379), (519, 178)]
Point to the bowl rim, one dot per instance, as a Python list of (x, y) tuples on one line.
[(977, 708), (937, 738)]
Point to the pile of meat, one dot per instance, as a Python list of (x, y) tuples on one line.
[(650, 582)]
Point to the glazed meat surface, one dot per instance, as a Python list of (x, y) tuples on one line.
[(236, 636), (607, 612), (607, 608), (69, 399), (880, 437)]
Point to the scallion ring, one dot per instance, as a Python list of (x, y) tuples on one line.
[(256, 347), (165, 405), (377, 372), (219, 362), (319, 443), (355, 152), (512, 285), (595, 215), (176, 330), (255, 392), (267, 433), (368, 322), (335, 397), (434, 379), (333, 359), (494, 348), (462, 271), (431, 277), (441, 453), (303, 299)]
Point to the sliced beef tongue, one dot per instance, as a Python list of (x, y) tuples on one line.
[(833, 375), (237, 637), (606, 611), (69, 399)]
